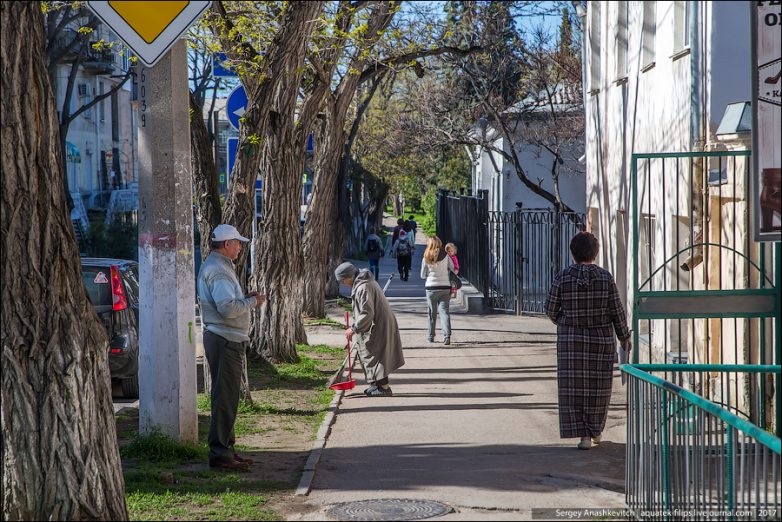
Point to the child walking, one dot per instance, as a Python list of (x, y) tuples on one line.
[(451, 250)]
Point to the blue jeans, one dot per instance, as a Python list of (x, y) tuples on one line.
[(374, 267), (439, 301)]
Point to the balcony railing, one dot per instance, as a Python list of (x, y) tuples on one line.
[(99, 61)]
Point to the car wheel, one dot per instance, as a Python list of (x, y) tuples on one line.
[(130, 387)]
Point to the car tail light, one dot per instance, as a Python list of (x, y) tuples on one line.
[(117, 291), (115, 350)]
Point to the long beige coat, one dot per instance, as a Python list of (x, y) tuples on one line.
[(377, 337)]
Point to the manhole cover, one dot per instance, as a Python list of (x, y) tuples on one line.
[(389, 509)]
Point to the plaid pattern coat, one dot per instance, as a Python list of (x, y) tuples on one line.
[(584, 304)]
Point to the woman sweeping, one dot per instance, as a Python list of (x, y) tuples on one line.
[(584, 304)]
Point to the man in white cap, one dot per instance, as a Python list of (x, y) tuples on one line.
[(225, 313), (374, 329)]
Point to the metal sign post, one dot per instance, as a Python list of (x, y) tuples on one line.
[(167, 368)]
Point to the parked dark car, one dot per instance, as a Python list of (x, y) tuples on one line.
[(112, 286)]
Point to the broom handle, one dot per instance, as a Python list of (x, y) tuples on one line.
[(350, 366)]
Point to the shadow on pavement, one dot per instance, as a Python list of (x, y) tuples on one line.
[(489, 467)]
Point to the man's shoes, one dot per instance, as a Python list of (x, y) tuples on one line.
[(447, 341), (378, 391), (243, 460), (597, 439), (233, 465), (585, 444), (430, 339)]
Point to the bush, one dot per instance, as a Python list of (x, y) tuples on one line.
[(428, 220)]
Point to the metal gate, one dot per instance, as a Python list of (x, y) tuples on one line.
[(527, 248), (704, 292)]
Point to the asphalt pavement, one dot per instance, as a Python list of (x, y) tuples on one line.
[(473, 425)]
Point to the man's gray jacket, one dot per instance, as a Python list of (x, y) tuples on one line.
[(224, 309)]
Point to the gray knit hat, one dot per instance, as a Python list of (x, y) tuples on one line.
[(346, 271)]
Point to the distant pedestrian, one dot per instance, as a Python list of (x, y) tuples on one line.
[(451, 250), (374, 250), (435, 267), (584, 304), (403, 251), (413, 226), (374, 330), (225, 312), (400, 225)]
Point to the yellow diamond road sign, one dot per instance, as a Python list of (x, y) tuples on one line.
[(149, 28)]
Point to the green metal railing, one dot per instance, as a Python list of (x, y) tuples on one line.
[(693, 458)]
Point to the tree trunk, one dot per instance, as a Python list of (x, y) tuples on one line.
[(278, 271), (59, 441), (206, 183), (321, 214), (279, 268), (285, 59)]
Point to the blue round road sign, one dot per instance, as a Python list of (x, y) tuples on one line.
[(236, 106)]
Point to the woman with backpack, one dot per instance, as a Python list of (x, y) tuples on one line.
[(374, 250), (403, 251), (435, 268)]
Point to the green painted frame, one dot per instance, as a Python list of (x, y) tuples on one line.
[(760, 292)]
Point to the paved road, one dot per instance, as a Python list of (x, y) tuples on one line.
[(473, 425)]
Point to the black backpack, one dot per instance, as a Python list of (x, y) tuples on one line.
[(372, 246)]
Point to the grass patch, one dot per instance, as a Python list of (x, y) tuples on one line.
[(323, 321), (334, 351), (198, 495), (204, 403), (166, 480), (156, 447), (345, 304)]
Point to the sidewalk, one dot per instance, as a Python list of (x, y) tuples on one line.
[(473, 425)]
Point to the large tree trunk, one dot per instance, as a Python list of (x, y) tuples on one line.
[(321, 213), (279, 268), (278, 272), (206, 183), (60, 456), (284, 57)]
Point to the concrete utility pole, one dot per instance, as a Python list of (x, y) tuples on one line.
[(167, 368)]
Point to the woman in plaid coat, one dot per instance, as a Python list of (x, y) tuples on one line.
[(584, 304)]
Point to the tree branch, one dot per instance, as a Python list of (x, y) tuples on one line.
[(393, 61), (99, 98)]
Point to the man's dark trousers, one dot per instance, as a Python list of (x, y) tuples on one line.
[(225, 367)]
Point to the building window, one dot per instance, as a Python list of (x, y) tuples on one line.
[(681, 25), (649, 34), (621, 40), (594, 43)]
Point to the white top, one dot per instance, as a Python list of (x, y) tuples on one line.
[(436, 275)]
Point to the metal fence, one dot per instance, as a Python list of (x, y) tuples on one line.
[(690, 457), (511, 257), (545, 250), (462, 220)]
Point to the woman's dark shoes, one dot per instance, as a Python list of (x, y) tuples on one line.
[(231, 464)]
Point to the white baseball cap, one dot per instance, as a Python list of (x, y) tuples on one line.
[(225, 232)]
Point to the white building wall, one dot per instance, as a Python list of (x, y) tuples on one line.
[(650, 111), (92, 134), (507, 189)]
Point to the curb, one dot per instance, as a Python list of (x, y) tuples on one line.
[(308, 474)]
